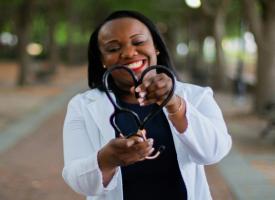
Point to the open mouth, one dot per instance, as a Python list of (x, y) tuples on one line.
[(137, 66)]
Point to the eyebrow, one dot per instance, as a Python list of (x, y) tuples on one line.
[(132, 36)]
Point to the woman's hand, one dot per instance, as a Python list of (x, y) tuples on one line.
[(154, 89), (122, 152)]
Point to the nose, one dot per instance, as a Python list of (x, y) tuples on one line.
[(128, 52)]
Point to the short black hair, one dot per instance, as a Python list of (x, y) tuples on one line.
[(95, 66)]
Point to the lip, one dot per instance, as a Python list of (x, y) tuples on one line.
[(138, 68)]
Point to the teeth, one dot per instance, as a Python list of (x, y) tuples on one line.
[(135, 65)]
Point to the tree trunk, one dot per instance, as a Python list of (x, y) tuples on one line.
[(263, 28), (218, 14), (220, 68), (53, 48), (71, 46), (23, 32), (265, 89)]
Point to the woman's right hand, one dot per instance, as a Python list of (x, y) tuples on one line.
[(125, 151), (122, 152)]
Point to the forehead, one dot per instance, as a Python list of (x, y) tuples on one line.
[(122, 27)]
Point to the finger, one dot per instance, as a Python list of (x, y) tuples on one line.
[(132, 140), (121, 136), (159, 82), (158, 90), (144, 102), (143, 155), (132, 90), (146, 86), (158, 94), (143, 86), (147, 81), (136, 139), (142, 133), (122, 143), (144, 147), (150, 152)]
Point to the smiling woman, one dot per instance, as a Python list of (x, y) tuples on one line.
[(130, 45), (101, 162)]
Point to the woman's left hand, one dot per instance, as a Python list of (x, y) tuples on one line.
[(154, 89)]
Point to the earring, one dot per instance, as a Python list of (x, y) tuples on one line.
[(104, 66), (157, 52)]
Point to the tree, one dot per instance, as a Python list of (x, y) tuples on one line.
[(217, 11), (261, 18), (25, 8)]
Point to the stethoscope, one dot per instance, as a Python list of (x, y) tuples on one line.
[(118, 109)]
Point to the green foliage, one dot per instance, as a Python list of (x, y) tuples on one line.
[(39, 28), (10, 3), (80, 37), (61, 34), (234, 17), (75, 20)]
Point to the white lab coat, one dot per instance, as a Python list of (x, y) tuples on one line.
[(87, 129)]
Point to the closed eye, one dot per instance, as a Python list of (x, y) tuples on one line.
[(112, 49), (137, 43)]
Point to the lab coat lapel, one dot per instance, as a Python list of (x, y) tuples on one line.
[(101, 109)]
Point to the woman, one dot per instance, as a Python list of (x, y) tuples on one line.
[(102, 165)]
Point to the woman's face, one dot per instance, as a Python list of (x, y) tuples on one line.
[(126, 41)]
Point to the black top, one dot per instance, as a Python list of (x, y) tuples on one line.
[(157, 179)]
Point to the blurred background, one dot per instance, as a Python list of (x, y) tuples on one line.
[(228, 45)]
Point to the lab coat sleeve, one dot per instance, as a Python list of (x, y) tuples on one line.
[(81, 171), (206, 138)]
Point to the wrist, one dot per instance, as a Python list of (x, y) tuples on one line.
[(106, 169), (174, 105), (104, 162)]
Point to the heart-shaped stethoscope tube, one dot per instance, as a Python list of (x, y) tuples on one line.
[(118, 109)]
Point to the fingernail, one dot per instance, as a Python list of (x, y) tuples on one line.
[(143, 133), (140, 100), (142, 94), (150, 141), (137, 89)]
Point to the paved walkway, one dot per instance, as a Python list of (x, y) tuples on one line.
[(31, 118), (31, 145), (249, 168)]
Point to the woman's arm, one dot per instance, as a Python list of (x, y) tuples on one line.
[(81, 171), (91, 171), (176, 109), (206, 138)]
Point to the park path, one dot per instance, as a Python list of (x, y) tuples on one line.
[(31, 157)]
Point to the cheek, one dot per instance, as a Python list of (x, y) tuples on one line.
[(109, 59)]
